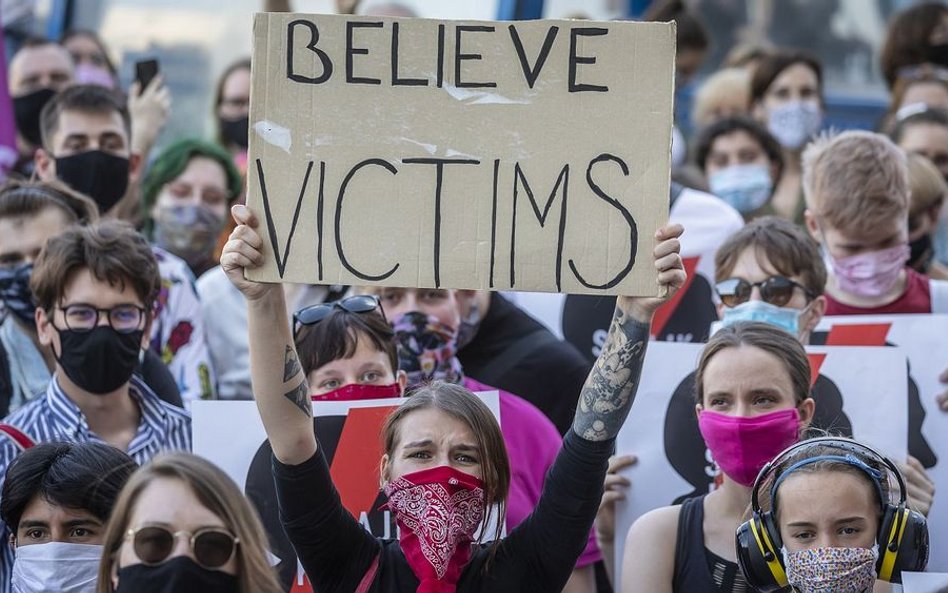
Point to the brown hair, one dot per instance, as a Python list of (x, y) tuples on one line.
[(924, 74), (111, 250), (779, 244), (768, 338), (772, 65), (85, 98), (338, 335), (690, 32), (20, 199), (906, 41), (928, 187), (729, 125), (458, 402), (216, 491), (856, 180)]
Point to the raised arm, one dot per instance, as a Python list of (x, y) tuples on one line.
[(610, 388), (279, 386)]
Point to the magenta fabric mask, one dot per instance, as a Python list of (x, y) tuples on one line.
[(869, 274), (741, 446)]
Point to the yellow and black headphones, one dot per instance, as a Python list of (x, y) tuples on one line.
[(902, 537)]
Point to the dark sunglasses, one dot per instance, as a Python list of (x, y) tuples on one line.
[(775, 290), (362, 303), (213, 547)]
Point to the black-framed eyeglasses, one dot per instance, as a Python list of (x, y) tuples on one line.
[(776, 290), (213, 547), (362, 303), (124, 319)]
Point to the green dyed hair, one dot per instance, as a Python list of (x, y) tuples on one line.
[(173, 160)]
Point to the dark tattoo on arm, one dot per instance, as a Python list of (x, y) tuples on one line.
[(299, 395), (291, 364), (610, 388)]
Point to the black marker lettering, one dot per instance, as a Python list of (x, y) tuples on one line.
[(633, 229), (313, 39), (531, 74), (440, 56), (342, 192), (396, 81), (561, 180), (319, 220), (351, 51), (459, 57), (575, 60), (271, 227), (439, 178), (493, 222)]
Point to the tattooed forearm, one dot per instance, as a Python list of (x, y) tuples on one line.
[(291, 364), (299, 395), (610, 388)]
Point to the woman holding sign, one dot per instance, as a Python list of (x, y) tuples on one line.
[(443, 448)]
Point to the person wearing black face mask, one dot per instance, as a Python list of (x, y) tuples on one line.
[(183, 499), (38, 71), (232, 106), (928, 191), (86, 144), (94, 288)]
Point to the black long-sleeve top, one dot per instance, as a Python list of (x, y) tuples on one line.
[(537, 556)]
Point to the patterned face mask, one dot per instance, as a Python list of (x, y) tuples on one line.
[(427, 349), (832, 570)]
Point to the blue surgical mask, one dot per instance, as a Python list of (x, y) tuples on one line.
[(786, 318), (794, 123), (56, 566), (745, 187)]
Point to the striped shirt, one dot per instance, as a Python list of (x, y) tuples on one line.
[(55, 417)]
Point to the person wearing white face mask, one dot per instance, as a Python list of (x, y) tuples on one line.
[(743, 164), (56, 500), (787, 98)]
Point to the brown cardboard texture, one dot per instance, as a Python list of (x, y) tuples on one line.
[(531, 155)]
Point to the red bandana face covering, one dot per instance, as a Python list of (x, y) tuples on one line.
[(437, 510), (354, 391)]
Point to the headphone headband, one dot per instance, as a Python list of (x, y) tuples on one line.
[(848, 445)]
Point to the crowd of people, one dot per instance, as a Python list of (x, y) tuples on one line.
[(125, 299)]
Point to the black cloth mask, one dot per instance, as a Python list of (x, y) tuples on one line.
[(922, 253), (101, 360), (26, 113), (177, 575), (99, 175), (235, 131), (16, 294), (937, 54)]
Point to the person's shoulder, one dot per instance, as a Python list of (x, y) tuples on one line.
[(27, 414), (214, 284), (172, 412), (663, 521), (172, 267)]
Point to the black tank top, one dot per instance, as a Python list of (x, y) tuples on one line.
[(697, 569)]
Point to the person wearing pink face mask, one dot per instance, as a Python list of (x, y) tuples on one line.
[(857, 195), (753, 401)]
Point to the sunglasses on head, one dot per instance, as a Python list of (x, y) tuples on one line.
[(363, 303), (775, 290), (212, 547)]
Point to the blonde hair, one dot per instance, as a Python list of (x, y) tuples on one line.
[(216, 491), (856, 180), (928, 187), (727, 86)]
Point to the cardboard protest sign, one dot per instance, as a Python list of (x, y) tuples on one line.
[(531, 155), (349, 433), (922, 339), (859, 392)]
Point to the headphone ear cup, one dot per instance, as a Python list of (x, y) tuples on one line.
[(903, 543), (760, 560)]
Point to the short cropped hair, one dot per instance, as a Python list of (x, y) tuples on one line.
[(112, 251), (81, 476), (928, 187), (855, 180), (26, 199), (729, 125), (85, 98), (782, 245), (773, 64), (338, 335)]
